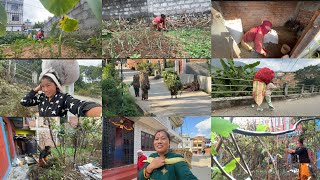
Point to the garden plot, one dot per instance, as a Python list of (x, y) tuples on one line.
[(122, 38)]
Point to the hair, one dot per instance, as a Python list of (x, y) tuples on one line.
[(301, 141), (163, 16), (162, 130), (47, 147)]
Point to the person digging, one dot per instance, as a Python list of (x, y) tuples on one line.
[(44, 157), (159, 22)]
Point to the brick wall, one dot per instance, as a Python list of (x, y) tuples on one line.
[(252, 13), (306, 10), (150, 8)]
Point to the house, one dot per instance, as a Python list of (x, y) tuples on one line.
[(186, 142), (200, 143), (19, 137), (14, 10), (124, 136)]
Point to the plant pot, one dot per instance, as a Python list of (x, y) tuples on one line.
[(285, 49)]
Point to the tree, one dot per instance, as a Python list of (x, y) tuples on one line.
[(309, 75), (38, 25)]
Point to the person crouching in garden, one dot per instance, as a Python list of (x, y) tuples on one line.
[(136, 84), (53, 102), (159, 22), (44, 156), (253, 39)]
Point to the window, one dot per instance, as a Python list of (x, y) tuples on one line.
[(199, 145), (15, 17), (14, 7), (146, 142)]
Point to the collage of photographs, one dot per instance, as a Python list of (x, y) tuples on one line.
[(159, 90)]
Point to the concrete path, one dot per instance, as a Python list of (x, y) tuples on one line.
[(84, 98), (160, 103), (290, 107)]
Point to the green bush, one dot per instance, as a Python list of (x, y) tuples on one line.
[(11, 37), (115, 96)]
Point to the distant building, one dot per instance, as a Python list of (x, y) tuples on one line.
[(27, 24), (198, 144), (186, 142), (14, 10)]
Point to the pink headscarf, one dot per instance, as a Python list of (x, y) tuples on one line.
[(263, 26)]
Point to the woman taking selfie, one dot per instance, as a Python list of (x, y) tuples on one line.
[(165, 164), (51, 100)]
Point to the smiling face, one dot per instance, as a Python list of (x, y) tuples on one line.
[(48, 87), (161, 142)]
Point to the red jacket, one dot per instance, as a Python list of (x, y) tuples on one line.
[(256, 35), (140, 162)]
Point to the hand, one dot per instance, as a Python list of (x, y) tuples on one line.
[(156, 163), (38, 88)]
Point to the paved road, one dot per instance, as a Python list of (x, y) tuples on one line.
[(160, 103), (290, 107)]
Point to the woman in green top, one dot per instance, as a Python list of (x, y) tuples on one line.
[(164, 164)]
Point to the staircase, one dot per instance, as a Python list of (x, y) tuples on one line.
[(120, 173)]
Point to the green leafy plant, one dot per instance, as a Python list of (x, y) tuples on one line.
[(3, 20), (61, 8), (232, 73)]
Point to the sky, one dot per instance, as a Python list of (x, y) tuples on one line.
[(34, 11), (197, 126), (283, 65), (91, 62)]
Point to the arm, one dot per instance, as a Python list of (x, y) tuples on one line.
[(32, 98), (82, 108), (258, 42), (141, 175), (183, 171)]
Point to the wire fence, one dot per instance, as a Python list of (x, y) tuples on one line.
[(243, 87), (17, 72)]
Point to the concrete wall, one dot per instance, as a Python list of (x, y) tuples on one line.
[(186, 78), (205, 83), (199, 68), (88, 23), (150, 8), (137, 138)]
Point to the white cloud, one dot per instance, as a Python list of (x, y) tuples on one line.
[(204, 128), (34, 11)]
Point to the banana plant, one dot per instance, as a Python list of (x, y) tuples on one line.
[(62, 7)]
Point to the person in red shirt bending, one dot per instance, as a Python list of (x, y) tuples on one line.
[(40, 35), (160, 22), (141, 158), (253, 39)]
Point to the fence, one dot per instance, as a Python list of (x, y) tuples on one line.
[(19, 73), (243, 87)]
